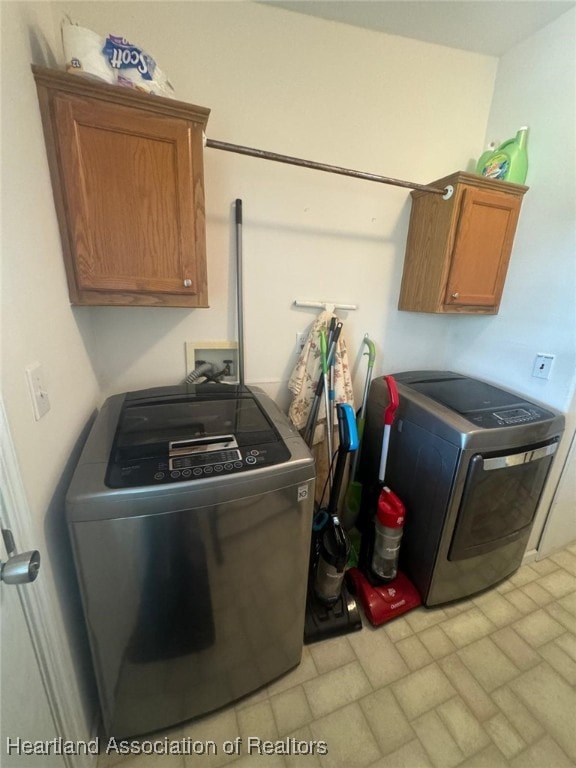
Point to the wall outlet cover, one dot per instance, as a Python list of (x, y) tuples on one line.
[(543, 365)]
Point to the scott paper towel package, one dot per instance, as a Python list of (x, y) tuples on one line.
[(83, 53), (114, 60)]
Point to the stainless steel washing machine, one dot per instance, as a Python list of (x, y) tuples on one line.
[(470, 461), (190, 514)]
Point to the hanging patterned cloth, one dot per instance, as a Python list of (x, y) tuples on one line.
[(304, 379)]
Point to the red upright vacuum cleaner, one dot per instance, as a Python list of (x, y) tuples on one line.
[(383, 590)]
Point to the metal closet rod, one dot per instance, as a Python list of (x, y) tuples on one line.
[(265, 155)]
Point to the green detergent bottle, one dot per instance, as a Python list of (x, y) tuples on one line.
[(484, 157), (509, 162)]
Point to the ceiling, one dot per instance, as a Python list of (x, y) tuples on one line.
[(485, 26)]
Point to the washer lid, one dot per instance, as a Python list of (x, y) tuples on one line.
[(183, 434)]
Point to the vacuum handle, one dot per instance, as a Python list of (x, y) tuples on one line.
[(347, 430), (342, 546), (348, 442), (394, 400), (384, 454)]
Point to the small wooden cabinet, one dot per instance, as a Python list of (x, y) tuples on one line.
[(458, 249), (128, 181)]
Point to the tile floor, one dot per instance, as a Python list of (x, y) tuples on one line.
[(485, 683)]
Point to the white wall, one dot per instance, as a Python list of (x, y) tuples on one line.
[(274, 80), (301, 86), (294, 85), (328, 92), (39, 325), (536, 86)]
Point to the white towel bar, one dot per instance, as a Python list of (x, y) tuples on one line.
[(329, 306)]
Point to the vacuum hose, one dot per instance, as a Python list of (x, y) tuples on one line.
[(205, 370)]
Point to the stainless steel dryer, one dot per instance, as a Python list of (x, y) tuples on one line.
[(190, 514), (470, 461)]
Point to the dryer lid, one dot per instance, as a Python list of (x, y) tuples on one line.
[(484, 404), (465, 395)]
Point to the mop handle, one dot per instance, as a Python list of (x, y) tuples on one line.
[(324, 363), (239, 292), (389, 413), (333, 342), (371, 359), (331, 349), (323, 353), (362, 411), (330, 363), (313, 413)]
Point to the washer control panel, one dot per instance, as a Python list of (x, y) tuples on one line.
[(195, 461)]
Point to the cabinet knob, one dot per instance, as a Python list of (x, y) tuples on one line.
[(455, 295), (187, 283)]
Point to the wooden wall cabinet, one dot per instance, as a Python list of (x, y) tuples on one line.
[(128, 181), (457, 251)]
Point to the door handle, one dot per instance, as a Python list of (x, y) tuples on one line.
[(19, 568), (512, 460)]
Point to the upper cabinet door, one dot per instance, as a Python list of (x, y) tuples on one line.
[(482, 247), (128, 181), (459, 245)]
